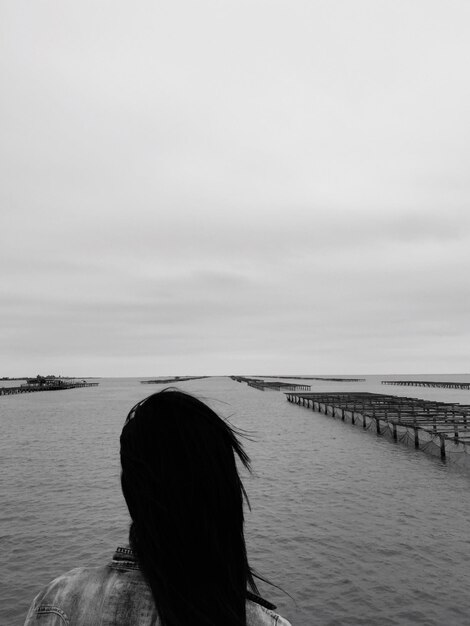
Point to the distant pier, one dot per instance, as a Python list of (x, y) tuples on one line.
[(175, 379), (263, 385), (428, 383), (422, 423), (341, 380)]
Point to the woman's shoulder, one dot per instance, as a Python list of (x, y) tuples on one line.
[(78, 591), (68, 582), (76, 579), (50, 604)]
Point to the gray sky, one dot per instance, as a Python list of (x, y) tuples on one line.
[(235, 187)]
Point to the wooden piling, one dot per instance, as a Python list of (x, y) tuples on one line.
[(443, 447)]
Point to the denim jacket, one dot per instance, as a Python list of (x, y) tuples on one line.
[(116, 595)]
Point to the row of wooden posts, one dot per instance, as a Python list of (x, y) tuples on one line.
[(445, 421), (428, 383), (256, 382), (174, 379), (327, 378), (263, 385)]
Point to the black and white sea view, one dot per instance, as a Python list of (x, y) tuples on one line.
[(353, 528), (211, 192)]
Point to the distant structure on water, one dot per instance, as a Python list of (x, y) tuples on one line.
[(444, 384), (45, 383), (262, 385), (437, 427), (175, 379), (341, 379)]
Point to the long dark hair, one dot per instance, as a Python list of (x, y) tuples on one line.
[(185, 497)]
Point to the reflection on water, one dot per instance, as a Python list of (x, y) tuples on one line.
[(357, 529)]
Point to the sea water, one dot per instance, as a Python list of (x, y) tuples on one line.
[(355, 528)]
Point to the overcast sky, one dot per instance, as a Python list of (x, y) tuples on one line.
[(235, 187)]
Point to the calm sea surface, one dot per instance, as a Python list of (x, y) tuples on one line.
[(357, 529)]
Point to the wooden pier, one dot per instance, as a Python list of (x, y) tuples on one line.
[(175, 379), (428, 383), (263, 385), (339, 380), (342, 380), (438, 423), (12, 391)]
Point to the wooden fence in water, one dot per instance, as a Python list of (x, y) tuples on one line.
[(263, 385), (428, 383), (438, 423)]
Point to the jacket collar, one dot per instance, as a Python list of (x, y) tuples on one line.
[(124, 554)]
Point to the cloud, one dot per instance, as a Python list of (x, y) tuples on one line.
[(203, 186)]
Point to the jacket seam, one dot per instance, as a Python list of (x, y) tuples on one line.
[(45, 609)]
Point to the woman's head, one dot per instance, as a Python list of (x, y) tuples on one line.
[(185, 497)]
